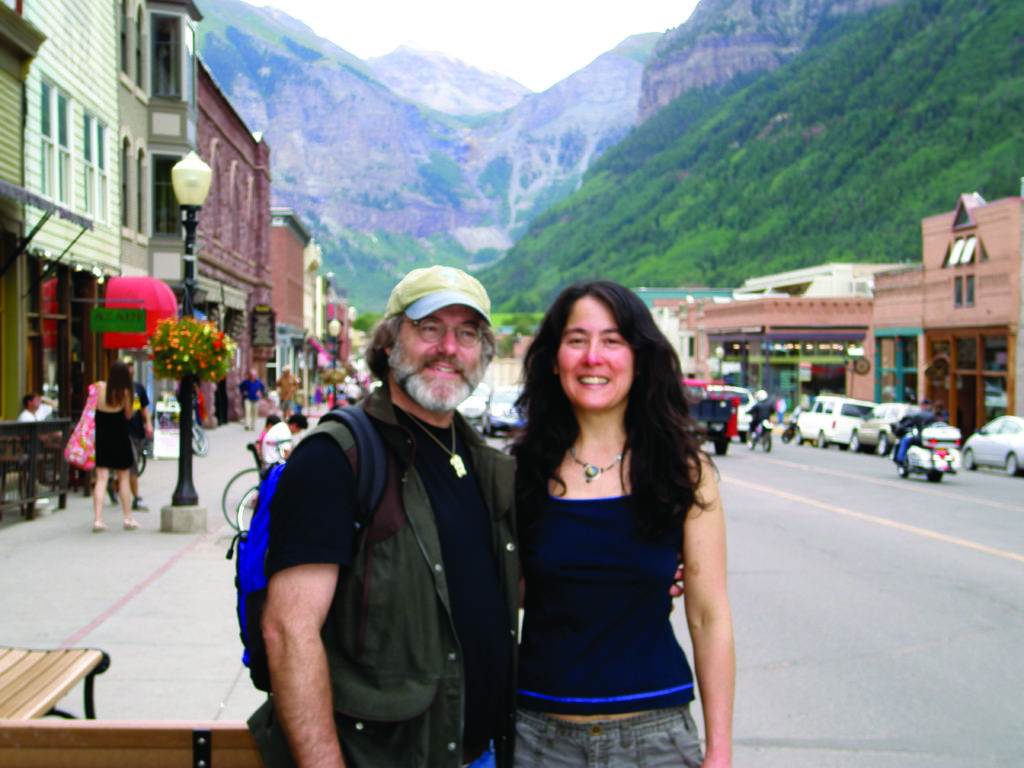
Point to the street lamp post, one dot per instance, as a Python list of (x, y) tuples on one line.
[(190, 178), (334, 331)]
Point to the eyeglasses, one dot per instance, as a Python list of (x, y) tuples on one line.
[(431, 331)]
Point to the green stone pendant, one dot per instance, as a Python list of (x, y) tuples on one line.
[(591, 471)]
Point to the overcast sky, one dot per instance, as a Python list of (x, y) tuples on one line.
[(536, 42)]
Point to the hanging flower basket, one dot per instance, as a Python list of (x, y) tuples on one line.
[(186, 345)]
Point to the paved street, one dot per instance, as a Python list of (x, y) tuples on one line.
[(878, 621)]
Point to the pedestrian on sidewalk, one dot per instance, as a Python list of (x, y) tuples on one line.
[(429, 668), (287, 385), (140, 430), (612, 488), (281, 438), (113, 443), (253, 390)]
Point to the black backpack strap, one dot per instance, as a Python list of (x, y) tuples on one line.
[(372, 460)]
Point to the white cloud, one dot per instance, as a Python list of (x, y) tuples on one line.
[(537, 42)]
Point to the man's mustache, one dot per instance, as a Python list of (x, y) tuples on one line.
[(446, 360)]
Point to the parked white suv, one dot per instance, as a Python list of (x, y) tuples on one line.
[(832, 419)]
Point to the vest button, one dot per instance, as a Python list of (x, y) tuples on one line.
[(359, 726), (451, 657), (451, 746), (437, 567), (510, 547)]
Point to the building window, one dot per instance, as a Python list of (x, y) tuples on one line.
[(969, 300), (166, 218), (190, 64), (46, 132), (138, 48), (55, 129), (94, 156), (125, 160), (166, 56), (140, 186), (958, 291), (124, 36)]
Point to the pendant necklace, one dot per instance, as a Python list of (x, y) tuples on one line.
[(592, 471), (456, 461)]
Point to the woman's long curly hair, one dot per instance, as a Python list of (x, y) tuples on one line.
[(665, 456)]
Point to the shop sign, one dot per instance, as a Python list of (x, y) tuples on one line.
[(117, 320), (263, 326), (805, 371)]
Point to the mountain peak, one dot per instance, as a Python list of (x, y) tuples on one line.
[(445, 83)]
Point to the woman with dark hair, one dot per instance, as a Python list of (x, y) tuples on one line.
[(613, 489), (113, 443)]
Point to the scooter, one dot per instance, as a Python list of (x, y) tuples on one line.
[(938, 454)]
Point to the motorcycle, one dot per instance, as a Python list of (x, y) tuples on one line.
[(937, 455), (791, 431), (762, 435)]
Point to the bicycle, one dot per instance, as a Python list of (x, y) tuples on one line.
[(241, 494)]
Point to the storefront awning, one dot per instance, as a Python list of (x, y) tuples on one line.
[(148, 293), (840, 335)]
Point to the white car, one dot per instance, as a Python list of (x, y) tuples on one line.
[(833, 419), (1000, 443), (746, 402), (474, 406)]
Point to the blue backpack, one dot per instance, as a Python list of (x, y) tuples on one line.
[(351, 428)]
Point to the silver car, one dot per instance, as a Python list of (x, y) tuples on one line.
[(1000, 443), (876, 433)]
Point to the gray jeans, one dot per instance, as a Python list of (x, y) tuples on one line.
[(654, 739)]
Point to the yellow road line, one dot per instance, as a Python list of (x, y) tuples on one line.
[(924, 532), (901, 484)]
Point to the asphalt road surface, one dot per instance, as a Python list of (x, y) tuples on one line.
[(879, 621)]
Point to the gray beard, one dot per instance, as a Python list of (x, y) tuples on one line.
[(432, 396)]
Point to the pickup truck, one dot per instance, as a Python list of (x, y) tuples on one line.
[(714, 412)]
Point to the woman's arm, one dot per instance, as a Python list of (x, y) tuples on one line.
[(710, 619)]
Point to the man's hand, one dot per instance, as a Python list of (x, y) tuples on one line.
[(678, 587)]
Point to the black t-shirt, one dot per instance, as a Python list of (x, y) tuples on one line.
[(136, 425), (312, 521)]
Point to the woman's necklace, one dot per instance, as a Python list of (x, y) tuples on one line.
[(592, 471), (456, 461)]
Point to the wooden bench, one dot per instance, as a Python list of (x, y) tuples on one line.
[(32, 681), (105, 743)]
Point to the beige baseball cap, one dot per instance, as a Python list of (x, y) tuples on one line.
[(428, 289)]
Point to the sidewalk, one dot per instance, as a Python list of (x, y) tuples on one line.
[(161, 605)]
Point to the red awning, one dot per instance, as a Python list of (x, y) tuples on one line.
[(148, 293)]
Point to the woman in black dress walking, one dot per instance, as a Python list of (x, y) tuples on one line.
[(113, 444)]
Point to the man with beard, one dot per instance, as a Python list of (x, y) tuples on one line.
[(394, 645)]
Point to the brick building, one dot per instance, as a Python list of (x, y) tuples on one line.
[(288, 241), (234, 232), (948, 329)]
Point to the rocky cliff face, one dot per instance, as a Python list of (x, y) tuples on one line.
[(446, 84), (726, 38)]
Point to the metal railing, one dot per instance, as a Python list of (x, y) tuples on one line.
[(32, 464)]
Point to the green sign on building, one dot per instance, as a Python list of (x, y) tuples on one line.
[(107, 320)]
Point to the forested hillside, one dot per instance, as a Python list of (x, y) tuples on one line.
[(837, 155)]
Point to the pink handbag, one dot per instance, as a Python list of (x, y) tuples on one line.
[(81, 448)]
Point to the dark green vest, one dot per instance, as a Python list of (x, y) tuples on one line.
[(394, 659)]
